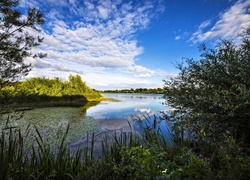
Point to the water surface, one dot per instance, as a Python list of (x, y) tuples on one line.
[(129, 104), (105, 116), (131, 107)]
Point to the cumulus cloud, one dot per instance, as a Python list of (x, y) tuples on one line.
[(93, 38), (230, 23), (143, 75), (40, 64), (86, 36), (141, 71), (177, 37), (104, 12)]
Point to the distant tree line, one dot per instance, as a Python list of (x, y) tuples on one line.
[(137, 90), (41, 89)]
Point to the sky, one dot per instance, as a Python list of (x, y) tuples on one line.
[(123, 44)]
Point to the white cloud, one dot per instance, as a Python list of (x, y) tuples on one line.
[(229, 25), (204, 24), (72, 1), (143, 110), (177, 37), (89, 5), (94, 38), (141, 71), (97, 83), (104, 12), (143, 75)]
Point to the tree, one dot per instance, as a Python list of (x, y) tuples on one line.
[(76, 85), (15, 41), (212, 96)]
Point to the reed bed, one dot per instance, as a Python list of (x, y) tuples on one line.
[(124, 155)]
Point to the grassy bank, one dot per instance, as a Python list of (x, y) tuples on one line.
[(48, 92), (109, 99)]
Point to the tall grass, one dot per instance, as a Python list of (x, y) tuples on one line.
[(124, 155), (40, 161)]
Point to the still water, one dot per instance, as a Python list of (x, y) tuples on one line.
[(131, 107), (108, 115), (129, 104)]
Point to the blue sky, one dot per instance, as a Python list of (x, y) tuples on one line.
[(123, 44)]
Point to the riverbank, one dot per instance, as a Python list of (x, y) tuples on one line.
[(18, 105), (29, 106)]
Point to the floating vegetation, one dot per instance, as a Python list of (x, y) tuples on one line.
[(51, 123)]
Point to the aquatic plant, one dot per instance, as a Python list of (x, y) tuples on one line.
[(52, 123), (125, 155)]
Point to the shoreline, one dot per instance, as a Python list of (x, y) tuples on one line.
[(25, 106), (30, 106)]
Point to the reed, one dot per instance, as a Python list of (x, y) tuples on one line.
[(124, 155)]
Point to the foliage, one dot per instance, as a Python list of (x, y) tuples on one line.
[(52, 123), (150, 157), (127, 156), (138, 90), (211, 96), (15, 40), (41, 89)]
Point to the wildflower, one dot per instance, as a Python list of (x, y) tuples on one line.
[(165, 171)]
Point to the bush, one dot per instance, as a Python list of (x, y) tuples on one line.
[(211, 96)]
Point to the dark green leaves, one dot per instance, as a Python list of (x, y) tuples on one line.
[(15, 41), (213, 93)]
